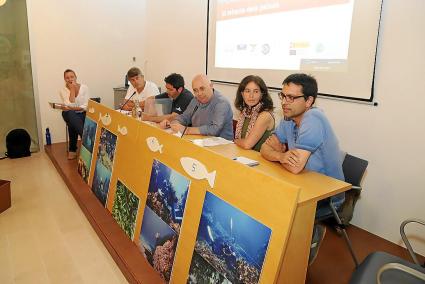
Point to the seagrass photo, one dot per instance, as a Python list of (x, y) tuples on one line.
[(125, 208)]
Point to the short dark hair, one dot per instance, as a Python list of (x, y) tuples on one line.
[(69, 70), (307, 82), (266, 100), (134, 71), (175, 80)]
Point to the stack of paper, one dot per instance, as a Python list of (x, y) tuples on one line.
[(211, 141)]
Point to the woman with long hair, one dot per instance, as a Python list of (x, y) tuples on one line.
[(256, 120)]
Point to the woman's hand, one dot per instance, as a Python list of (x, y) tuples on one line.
[(74, 88)]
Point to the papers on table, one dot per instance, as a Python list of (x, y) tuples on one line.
[(211, 141), (56, 105), (246, 161), (126, 112)]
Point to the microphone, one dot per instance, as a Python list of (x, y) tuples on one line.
[(190, 124), (126, 101)]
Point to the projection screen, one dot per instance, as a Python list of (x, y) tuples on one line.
[(333, 40)]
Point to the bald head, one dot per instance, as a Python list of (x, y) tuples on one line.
[(202, 88)]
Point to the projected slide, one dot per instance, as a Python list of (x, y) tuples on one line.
[(283, 34)]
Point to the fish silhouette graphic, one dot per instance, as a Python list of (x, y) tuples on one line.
[(153, 144), (197, 170)]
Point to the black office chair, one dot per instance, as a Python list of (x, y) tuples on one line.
[(354, 169), (96, 99), (381, 267)]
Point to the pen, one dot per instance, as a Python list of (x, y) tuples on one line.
[(184, 130)]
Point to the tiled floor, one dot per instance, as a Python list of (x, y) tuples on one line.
[(44, 236)]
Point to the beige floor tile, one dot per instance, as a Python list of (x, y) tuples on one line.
[(24, 253), (32, 277), (6, 272), (100, 273), (45, 237), (60, 266)]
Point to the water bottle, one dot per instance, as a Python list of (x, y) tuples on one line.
[(134, 109), (138, 112), (48, 137)]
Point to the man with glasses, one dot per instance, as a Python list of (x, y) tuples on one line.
[(305, 139), (208, 114)]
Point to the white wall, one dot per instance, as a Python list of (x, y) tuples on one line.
[(390, 135), (176, 39), (95, 38)]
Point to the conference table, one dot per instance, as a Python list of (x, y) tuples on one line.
[(313, 187)]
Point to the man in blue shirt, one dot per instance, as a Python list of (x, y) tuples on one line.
[(305, 139)]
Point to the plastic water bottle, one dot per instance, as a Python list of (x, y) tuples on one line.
[(134, 109), (48, 137), (138, 112)]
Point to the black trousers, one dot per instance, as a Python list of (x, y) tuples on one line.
[(75, 122)]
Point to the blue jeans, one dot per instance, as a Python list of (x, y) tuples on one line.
[(75, 122), (323, 209)]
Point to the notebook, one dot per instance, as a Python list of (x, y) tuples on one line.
[(56, 105)]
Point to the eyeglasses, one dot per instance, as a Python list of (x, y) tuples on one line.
[(255, 91), (288, 98)]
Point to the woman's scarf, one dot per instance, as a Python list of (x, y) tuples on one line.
[(247, 112)]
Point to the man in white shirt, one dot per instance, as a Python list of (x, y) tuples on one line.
[(139, 90)]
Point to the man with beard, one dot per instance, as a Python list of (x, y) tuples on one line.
[(305, 139)]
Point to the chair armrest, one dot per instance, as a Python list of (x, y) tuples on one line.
[(402, 268), (406, 241), (356, 187)]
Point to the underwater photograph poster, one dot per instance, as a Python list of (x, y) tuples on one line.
[(163, 217), (230, 245), (125, 208), (89, 134), (167, 194), (104, 165), (86, 151)]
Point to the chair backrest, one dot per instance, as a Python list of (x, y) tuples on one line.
[(97, 99), (354, 169)]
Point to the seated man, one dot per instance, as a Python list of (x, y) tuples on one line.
[(209, 114), (139, 90), (180, 96), (311, 142)]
